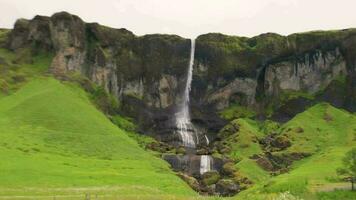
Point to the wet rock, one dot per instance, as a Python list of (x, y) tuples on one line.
[(190, 163), (202, 151), (227, 187)]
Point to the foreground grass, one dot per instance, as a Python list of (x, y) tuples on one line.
[(54, 142)]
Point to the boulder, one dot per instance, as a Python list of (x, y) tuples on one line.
[(227, 187), (211, 177), (229, 169), (191, 181), (281, 142), (265, 164)]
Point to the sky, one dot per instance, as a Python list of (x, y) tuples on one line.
[(190, 18)]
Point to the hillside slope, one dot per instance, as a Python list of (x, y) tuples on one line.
[(54, 142), (327, 134)]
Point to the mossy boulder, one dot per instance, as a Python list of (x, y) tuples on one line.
[(227, 187), (232, 128), (265, 164), (229, 169), (180, 150), (211, 177), (281, 142), (191, 181)]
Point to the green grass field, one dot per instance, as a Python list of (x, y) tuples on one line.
[(54, 142)]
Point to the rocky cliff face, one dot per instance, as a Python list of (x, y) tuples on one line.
[(259, 72), (147, 73), (147, 68)]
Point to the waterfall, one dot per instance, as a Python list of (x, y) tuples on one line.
[(207, 140), (205, 164), (185, 127)]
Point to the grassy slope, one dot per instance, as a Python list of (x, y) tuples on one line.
[(328, 133), (53, 137), (245, 146)]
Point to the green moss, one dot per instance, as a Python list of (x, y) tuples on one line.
[(231, 56), (250, 169), (319, 131), (269, 126), (21, 66), (292, 94), (124, 123), (245, 143), (210, 178), (130, 127), (134, 95), (237, 111), (104, 101), (3, 36), (341, 79)]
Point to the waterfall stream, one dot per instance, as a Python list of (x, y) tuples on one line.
[(205, 163), (184, 125)]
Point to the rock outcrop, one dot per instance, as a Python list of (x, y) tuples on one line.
[(148, 67), (147, 73)]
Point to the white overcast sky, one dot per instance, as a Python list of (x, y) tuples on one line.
[(190, 18)]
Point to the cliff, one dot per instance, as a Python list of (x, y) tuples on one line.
[(265, 74)]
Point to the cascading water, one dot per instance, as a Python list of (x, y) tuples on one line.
[(205, 164), (185, 127)]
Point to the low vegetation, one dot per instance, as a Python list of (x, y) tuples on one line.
[(61, 144)]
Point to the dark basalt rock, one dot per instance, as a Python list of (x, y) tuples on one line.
[(291, 108), (274, 142), (279, 161)]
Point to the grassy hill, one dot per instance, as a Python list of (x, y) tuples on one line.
[(53, 141), (328, 133)]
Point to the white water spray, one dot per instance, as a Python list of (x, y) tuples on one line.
[(185, 127), (207, 140), (205, 164)]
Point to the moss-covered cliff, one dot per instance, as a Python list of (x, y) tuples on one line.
[(260, 75), (228, 66)]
